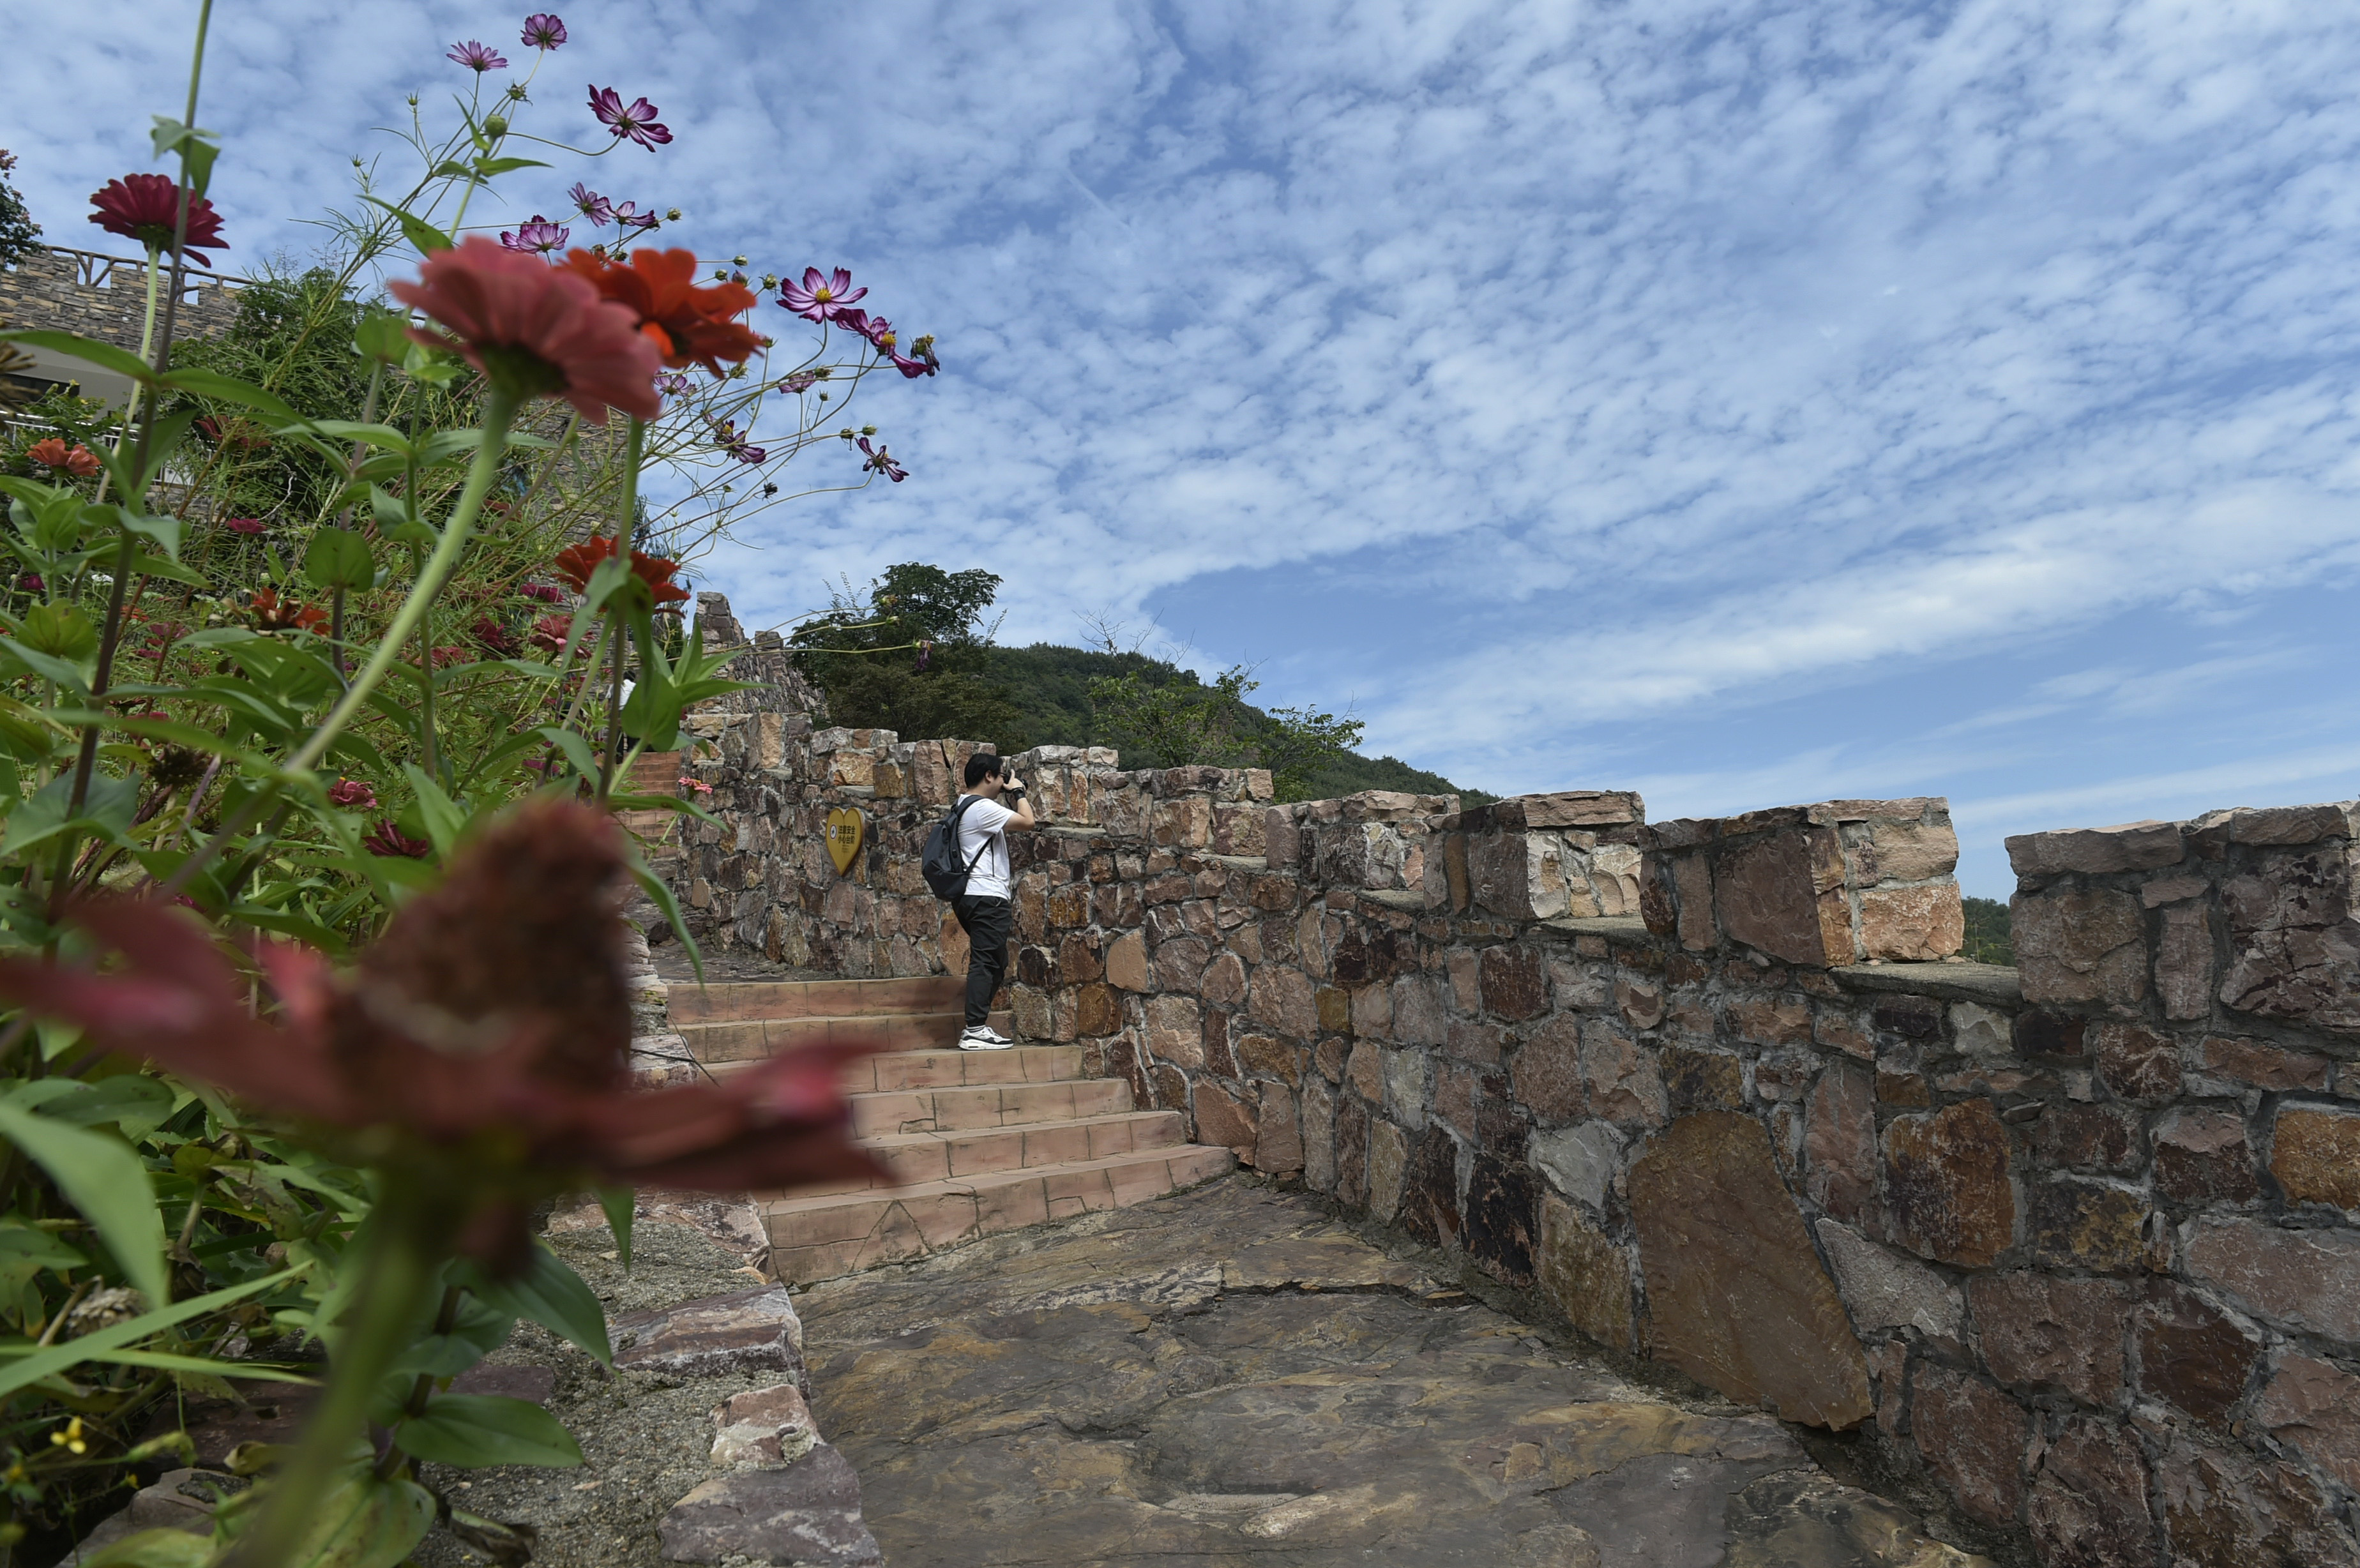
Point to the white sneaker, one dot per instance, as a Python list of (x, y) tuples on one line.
[(983, 1037)]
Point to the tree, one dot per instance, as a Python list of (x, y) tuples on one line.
[(1179, 722), (908, 656), (19, 235)]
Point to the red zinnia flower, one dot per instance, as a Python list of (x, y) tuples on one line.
[(271, 614), (575, 563), (493, 637), (548, 633), (388, 840), (53, 453), (482, 1042), (536, 331), (689, 325), (147, 207), (352, 795)]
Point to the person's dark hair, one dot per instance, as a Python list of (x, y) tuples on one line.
[(983, 765)]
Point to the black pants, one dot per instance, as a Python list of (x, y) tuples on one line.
[(985, 920)]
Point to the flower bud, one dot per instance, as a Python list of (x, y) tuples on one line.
[(672, 215), (737, 261), (496, 127), (413, 100), (869, 429)]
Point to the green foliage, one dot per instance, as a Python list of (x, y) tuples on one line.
[(1989, 938), (1179, 722), (912, 655), (19, 235)]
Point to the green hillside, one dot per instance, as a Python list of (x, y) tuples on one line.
[(1049, 684)]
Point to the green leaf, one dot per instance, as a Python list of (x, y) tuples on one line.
[(486, 167), (382, 335), (122, 361), (165, 532), (132, 1101), (424, 236), (576, 749), (105, 1182), (478, 1430), (443, 819), (62, 631), (197, 148), (106, 810), (659, 893), (155, 1549), (339, 558), (364, 1522), (230, 389), (550, 1294), (622, 1206), (478, 1329)]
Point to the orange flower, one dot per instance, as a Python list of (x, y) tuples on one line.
[(575, 563), (54, 454), (689, 325), (272, 615), (535, 330)]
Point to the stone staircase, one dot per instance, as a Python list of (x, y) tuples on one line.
[(982, 1141)]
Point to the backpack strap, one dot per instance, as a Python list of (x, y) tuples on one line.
[(956, 810)]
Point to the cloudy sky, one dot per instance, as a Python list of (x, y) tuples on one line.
[(1743, 403)]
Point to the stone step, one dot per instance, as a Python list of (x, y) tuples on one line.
[(920, 1157), (960, 1069), (899, 1034), (743, 1001), (822, 1236), (966, 1109)]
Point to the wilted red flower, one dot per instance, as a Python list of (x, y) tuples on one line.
[(547, 592), (146, 208), (273, 614), (214, 431), (480, 1047), (448, 654), (575, 563), (53, 453), (352, 795), (387, 839), (536, 331), (493, 637), (245, 525), (548, 633), (688, 325)]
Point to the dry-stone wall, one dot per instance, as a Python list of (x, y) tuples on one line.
[(2077, 1239), (105, 297)]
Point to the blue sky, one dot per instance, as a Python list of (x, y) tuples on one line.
[(1743, 403)]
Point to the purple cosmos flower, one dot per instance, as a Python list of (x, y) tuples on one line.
[(477, 58), (628, 216), (245, 525), (914, 368), (591, 205), (671, 384), (822, 296), (539, 237), (725, 437), (802, 381), (543, 31), (881, 461), (637, 122)]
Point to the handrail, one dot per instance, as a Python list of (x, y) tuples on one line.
[(95, 270)]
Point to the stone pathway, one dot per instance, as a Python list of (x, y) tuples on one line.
[(1230, 1376)]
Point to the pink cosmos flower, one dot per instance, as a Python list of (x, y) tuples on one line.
[(591, 205), (628, 216), (802, 381), (543, 31), (881, 461), (536, 331), (821, 296), (637, 122), (539, 237), (477, 58)]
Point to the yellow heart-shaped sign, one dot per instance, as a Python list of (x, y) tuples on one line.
[(844, 829)]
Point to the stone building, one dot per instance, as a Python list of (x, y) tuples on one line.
[(103, 297)]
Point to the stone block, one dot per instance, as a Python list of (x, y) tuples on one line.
[(1176, 1030), (1737, 1296), (2088, 1137), (2314, 1406), (1886, 1290), (2201, 1155), (1547, 1071), (1581, 1160), (1692, 877), (2304, 1280), (1126, 963), (1284, 999), (1977, 1030), (1261, 1056), (1973, 1437), (1097, 1010), (2078, 1223), (1333, 1004), (1319, 1133), (1405, 1084), (1586, 1275), (1913, 924), (2080, 945), (1515, 982), (2137, 1063), (1364, 1069), (1278, 1138), (1388, 1166), (1501, 1218), (808, 1513), (763, 1429), (2294, 943), (1947, 1186), (1887, 851), (1640, 1003), (1766, 894), (746, 1331), (1565, 809), (2191, 1353), (2042, 1334), (1702, 1080), (2263, 1066), (2227, 1509), (2292, 824), (1224, 1120), (1430, 1207), (1839, 1167), (2133, 846), (1769, 1020), (2088, 1503), (1620, 1077), (2183, 962), (2315, 1155), (1417, 1013)]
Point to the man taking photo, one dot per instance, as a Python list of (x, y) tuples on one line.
[(994, 801)]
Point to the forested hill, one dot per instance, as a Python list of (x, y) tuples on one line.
[(1050, 685)]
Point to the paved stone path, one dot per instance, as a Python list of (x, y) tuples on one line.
[(1230, 1376)]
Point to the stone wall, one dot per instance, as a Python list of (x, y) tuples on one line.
[(105, 297), (2075, 1241)]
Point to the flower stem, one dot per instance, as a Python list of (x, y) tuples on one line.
[(632, 458), (398, 1272)]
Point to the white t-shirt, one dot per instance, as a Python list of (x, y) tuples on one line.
[(980, 827)]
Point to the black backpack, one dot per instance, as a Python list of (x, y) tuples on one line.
[(944, 871)]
